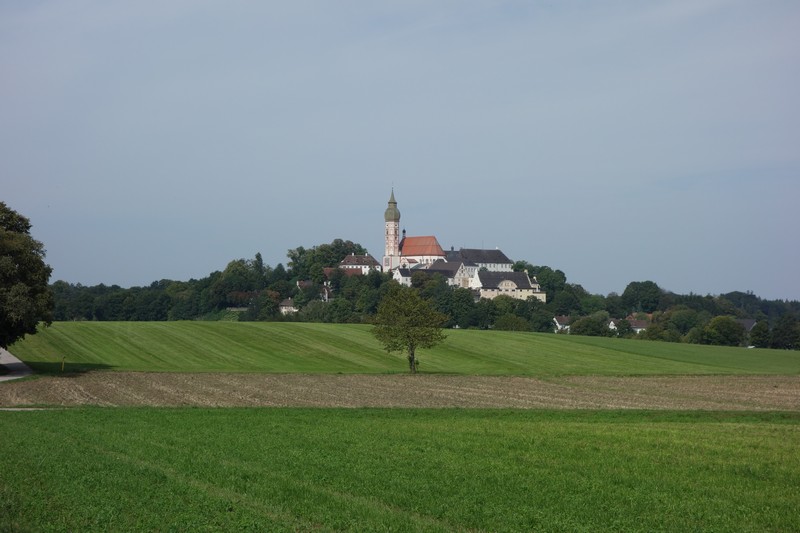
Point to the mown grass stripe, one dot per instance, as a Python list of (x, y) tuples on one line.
[(334, 348)]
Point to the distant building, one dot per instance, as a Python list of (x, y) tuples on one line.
[(362, 263), (416, 251), (391, 253), (287, 307), (637, 326), (491, 260), (514, 284), (562, 323), (455, 273), (466, 267)]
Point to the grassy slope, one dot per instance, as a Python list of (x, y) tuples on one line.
[(329, 348), (381, 470)]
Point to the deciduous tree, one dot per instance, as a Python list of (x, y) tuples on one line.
[(25, 298), (595, 325), (551, 281), (723, 331), (759, 335), (309, 264), (641, 296), (405, 322), (624, 328), (786, 333)]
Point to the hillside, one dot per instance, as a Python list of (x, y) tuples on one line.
[(350, 349)]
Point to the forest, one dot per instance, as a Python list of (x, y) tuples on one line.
[(250, 290)]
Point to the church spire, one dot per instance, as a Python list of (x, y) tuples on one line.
[(392, 214)]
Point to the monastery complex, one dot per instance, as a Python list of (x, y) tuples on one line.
[(488, 273)]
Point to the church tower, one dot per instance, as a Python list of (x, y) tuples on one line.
[(391, 255)]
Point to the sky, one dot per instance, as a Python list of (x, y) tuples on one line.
[(616, 141)]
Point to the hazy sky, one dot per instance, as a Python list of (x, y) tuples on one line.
[(617, 141)]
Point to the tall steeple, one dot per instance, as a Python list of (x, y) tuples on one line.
[(391, 256)]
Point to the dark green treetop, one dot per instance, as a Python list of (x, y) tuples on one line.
[(25, 298)]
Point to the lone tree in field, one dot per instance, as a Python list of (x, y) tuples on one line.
[(405, 322), (25, 298)]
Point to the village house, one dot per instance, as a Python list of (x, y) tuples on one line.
[(287, 307), (562, 323), (636, 325), (639, 326), (361, 263)]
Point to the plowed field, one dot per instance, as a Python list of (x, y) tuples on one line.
[(754, 393)]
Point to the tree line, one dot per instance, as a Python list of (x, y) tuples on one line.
[(248, 290), (245, 290)]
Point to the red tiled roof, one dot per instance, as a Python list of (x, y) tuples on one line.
[(417, 246)]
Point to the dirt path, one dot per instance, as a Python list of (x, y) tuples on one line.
[(301, 390), (16, 368)]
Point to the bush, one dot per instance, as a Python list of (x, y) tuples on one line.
[(595, 325), (510, 322), (723, 331)]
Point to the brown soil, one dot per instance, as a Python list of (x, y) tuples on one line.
[(300, 390)]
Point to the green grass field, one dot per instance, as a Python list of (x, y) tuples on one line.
[(164, 469), (331, 348), (394, 470)]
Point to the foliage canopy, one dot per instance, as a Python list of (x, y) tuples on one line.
[(25, 298), (405, 322)]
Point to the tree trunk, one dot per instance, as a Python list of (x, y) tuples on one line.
[(412, 361)]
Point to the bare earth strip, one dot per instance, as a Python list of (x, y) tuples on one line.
[(755, 393)]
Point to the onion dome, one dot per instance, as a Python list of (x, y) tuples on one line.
[(392, 214)]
